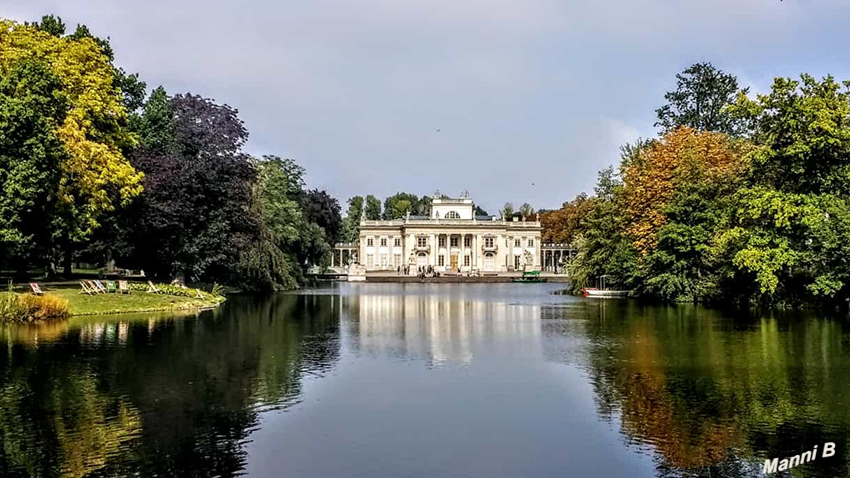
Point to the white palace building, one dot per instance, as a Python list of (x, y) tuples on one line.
[(451, 240)]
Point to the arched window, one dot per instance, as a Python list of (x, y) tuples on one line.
[(452, 215)]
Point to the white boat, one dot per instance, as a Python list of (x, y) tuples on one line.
[(594, 292), (602, 292)]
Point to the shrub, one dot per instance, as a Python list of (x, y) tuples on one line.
[(21, 308), (166, 289)]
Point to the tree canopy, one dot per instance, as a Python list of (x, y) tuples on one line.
[(700, 101), (703, 214)]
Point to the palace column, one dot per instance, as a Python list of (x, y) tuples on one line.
[(475, 246), (510, 252), (472, 256), (435, 247)]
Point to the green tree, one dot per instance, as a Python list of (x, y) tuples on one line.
[(95, 174), (351, 223), (700, 101), (280, 182), (604, 248), (32, 104), (526, 211), (373, 208), (50, 24), (399, 205), (788, 229)]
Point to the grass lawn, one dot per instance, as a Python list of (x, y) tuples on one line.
[(84, 304)]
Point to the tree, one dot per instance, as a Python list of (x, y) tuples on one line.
[(700, 101), (156, 126), (788, 230), (351, 223), (280, 182), (604, 249), (478, 211), (373, 208), (197, 212), (322, 209), (50, 24), (803, 135), (32, 104), (526, 211), (399, 205), (95, 174), (507, 211), (132, 89), (564, 225), (683, 156)]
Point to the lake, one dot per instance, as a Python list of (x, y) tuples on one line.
[(425, 380)]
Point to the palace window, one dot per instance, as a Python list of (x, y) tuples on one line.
[(467, 241), (442, 241), (454, 241), (531, 243), (396, 260), (452, 215), (384, 260), (517, 243), (397, 242), (383, 242), (370, 261), (516, 262), (370, 242), (466, 261), (442, 260), (421, 241), (489, 241)]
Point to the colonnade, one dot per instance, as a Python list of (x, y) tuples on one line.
[(555, 257)]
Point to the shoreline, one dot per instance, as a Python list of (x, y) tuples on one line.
[(137, 301)]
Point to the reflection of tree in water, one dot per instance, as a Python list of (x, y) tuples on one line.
[(176, 400), (714, 397)]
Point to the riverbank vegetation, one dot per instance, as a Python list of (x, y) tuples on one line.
[(741, 198), (23, 308), (94, 169), (63, 301)]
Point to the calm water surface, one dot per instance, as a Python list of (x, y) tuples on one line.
[(425, 380)]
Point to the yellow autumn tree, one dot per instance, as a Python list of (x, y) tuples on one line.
[(95, 174), (682, 156)]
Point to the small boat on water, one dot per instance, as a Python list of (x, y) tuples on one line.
[(603, 292), (530, 277), (594, 292)]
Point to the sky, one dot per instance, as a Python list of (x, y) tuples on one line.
[(520, 101)]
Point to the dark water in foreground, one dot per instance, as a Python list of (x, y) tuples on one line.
[(425, 380)]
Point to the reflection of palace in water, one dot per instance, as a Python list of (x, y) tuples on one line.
[(443, 329)]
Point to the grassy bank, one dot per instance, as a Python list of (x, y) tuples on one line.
[(84, 304)]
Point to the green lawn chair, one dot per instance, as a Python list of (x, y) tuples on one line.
[(110, 287)]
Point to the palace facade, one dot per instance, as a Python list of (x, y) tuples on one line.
[(451, 239)]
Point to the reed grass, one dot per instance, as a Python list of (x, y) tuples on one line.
[(23, 308)]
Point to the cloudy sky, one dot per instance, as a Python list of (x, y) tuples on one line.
[(512, 100)]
